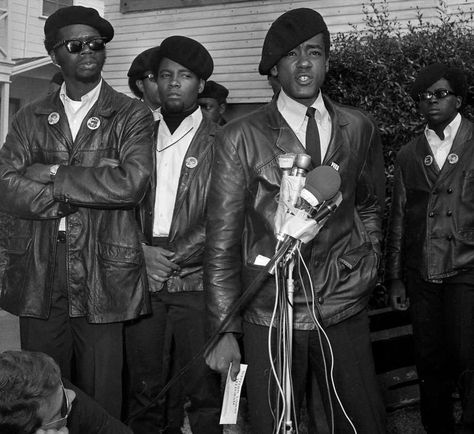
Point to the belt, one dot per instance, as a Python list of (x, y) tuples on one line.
[(61, 237)]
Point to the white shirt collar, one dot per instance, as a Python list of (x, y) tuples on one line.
[(295, 113), (166, 139), (449, 132), (92, 95)]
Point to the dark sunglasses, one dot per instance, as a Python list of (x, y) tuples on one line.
[(77, 45), (150, 77), (438, 93)]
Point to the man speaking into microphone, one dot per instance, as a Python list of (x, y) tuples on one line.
[(342, 258)]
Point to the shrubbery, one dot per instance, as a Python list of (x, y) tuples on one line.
[(373, 68)]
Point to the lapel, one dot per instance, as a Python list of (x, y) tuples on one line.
[(461, 145), (422, 155), (338, 138), (195, 157)]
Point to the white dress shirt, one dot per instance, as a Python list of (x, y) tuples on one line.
[(441, 148), (295, 114), (76, 111), (170, 152)]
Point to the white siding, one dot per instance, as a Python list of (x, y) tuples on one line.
[(233, 34)]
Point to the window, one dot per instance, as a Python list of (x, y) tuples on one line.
[(147, 5), (50, 6)]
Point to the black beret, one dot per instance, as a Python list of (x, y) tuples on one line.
[(287, 32), (143, 63), (187, 52), (214, 90), (75, 15), (436, 71)]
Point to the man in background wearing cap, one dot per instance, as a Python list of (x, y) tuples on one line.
[(213, 103), (342, 259), (172, 218), (142, 81), (430, 254), (72, 169)]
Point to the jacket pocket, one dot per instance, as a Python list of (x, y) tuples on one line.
[(120, 269), (350, 260), (14, 262)]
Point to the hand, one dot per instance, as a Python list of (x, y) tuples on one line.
[(108, 162), (52, 431), (159, 266), (397, 295), (225, 352), (39, 173)]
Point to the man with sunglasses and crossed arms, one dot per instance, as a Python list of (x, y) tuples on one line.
[(73, 167), (430, 248), (35, 399)]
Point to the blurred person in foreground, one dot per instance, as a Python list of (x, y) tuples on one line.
[(34, 399), (342, 259), (430, 250)]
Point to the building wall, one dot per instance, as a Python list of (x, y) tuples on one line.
[(233, 33), (26, 24)]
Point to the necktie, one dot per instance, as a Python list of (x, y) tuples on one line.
[(313, 144)]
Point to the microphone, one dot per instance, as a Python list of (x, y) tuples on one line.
[(319, 198)]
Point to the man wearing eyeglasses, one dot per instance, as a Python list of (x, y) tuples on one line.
[(34, 399), (72, 169), (430, 249), (142, 81)]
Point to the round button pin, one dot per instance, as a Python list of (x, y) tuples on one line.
[(93, 123), (53, 118), (428, 160), (191, 162), (453, 158)]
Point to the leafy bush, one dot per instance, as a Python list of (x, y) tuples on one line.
[(373, 68)]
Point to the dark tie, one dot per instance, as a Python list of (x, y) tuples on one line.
[(313, 144)]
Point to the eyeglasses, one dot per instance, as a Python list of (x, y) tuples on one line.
[(150, 77), (438, 93), (77, 45), (65, 411)]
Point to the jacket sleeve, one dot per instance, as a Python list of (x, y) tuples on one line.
[(396, 228), (370, 190), (189, 247), (19, 195), (225, 223), (107, 187)]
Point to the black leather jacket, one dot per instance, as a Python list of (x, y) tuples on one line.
[(431, 227), (188, 227), (242, 205), (106, 271)]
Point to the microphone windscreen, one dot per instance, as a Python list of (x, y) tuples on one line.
[(323, 182)]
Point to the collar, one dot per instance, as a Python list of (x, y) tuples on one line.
[(189, 123), (92, 95), (449, 132), (295, 112)]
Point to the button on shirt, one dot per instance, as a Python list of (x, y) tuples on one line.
[(295, 114), (440, 148), (76, 111), (170, 152)]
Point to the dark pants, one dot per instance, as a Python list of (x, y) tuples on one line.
[(354, 377), (145, 343), (90, 355), (443, 329)]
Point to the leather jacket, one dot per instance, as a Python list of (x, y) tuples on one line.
[(431, 227), (242, 203), (187, 231), (106, 274)]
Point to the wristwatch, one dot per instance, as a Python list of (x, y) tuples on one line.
[(52, 171)]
